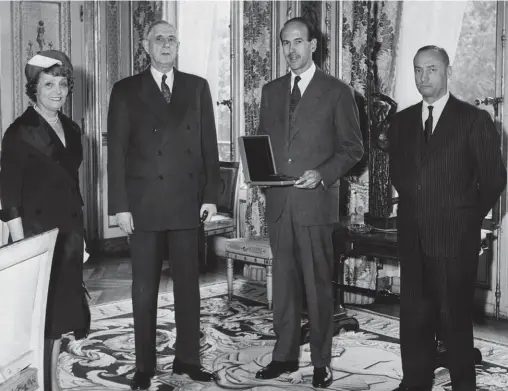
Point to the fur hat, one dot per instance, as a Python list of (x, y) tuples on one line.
[(45, 60)]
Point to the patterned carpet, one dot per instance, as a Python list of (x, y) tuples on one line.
[(238, 340)]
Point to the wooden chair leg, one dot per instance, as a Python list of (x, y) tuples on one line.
[(55, 386), (230, 278), (269, 292)]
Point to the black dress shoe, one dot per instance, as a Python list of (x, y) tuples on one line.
[(195, 372), (277, 368), (141, 380), (322, 377)]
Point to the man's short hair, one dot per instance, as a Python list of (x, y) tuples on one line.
[(311, 32), (153, 25), (440, 50)]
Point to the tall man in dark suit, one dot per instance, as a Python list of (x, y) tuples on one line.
[(163, 173), (313, 123), (445, 162)]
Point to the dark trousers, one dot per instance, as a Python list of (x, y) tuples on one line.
[(48, 351), (146, 248), (437, 295), (302, 259)]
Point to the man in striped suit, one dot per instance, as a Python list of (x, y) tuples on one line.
[(446, 164)]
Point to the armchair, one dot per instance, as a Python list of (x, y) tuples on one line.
[(25, 268), (224, 222)]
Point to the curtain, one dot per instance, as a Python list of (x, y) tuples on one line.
[(199, 42), (367, 25), (257, 72), (143, 14)]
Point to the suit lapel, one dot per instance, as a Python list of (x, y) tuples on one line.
[(152, 96), (309, 100), (180, 103), (285, 92), (414, 136), (443, 130)]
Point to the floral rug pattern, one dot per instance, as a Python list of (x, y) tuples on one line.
[(237, 340)]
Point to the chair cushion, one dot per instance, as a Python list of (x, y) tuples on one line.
[(220, 223), (256, 246)]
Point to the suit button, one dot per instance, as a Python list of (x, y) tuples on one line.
[(419, 187), (159, 153), (160, 177), (74, 215), (290, 161)]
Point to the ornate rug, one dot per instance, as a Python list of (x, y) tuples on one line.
[(237, 340)]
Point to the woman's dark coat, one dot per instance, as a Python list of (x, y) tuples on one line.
[(40, 182)]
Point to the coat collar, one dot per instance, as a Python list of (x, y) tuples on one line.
[(72, 132), (68, 157)]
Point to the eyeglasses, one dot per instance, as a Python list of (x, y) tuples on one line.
[(166, 40)]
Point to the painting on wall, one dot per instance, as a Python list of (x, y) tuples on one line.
[(42, 25)]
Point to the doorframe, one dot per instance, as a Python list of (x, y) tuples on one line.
[(497, 298)]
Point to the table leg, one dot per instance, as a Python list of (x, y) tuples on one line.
[(341, 319), (230, 278), (269, 287)]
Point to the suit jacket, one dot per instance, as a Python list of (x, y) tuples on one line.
[(162, 158), (447, 186), (325, 136), (39, 177)]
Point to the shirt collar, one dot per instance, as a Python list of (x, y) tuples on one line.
[(306, 76), (157, 75), (439, 104)]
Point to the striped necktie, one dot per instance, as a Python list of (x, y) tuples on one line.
[(428, 125), (165, 89), (295, 96)]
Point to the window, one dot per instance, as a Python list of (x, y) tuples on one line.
[(205, 50)]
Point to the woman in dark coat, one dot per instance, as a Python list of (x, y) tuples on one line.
[(41, 155)]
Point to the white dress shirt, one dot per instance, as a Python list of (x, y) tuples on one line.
[(306, 78), (439, 106), (158, 78)]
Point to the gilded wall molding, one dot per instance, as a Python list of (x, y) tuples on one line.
[(237, 75), (93, 30)]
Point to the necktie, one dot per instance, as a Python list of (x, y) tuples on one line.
[(295, 96), (428, 125), (165, 89)]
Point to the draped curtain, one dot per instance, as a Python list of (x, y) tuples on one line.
[(199, 42), (257, 54), (366, 24)]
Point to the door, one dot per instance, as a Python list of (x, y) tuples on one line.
[(477, 77)]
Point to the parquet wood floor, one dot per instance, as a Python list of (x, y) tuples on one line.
[(109, 279)]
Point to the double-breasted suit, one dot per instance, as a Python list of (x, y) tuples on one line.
[(446, 187), (162, 165), (322, 134)]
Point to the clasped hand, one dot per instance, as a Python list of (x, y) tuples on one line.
[(309, 180)]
